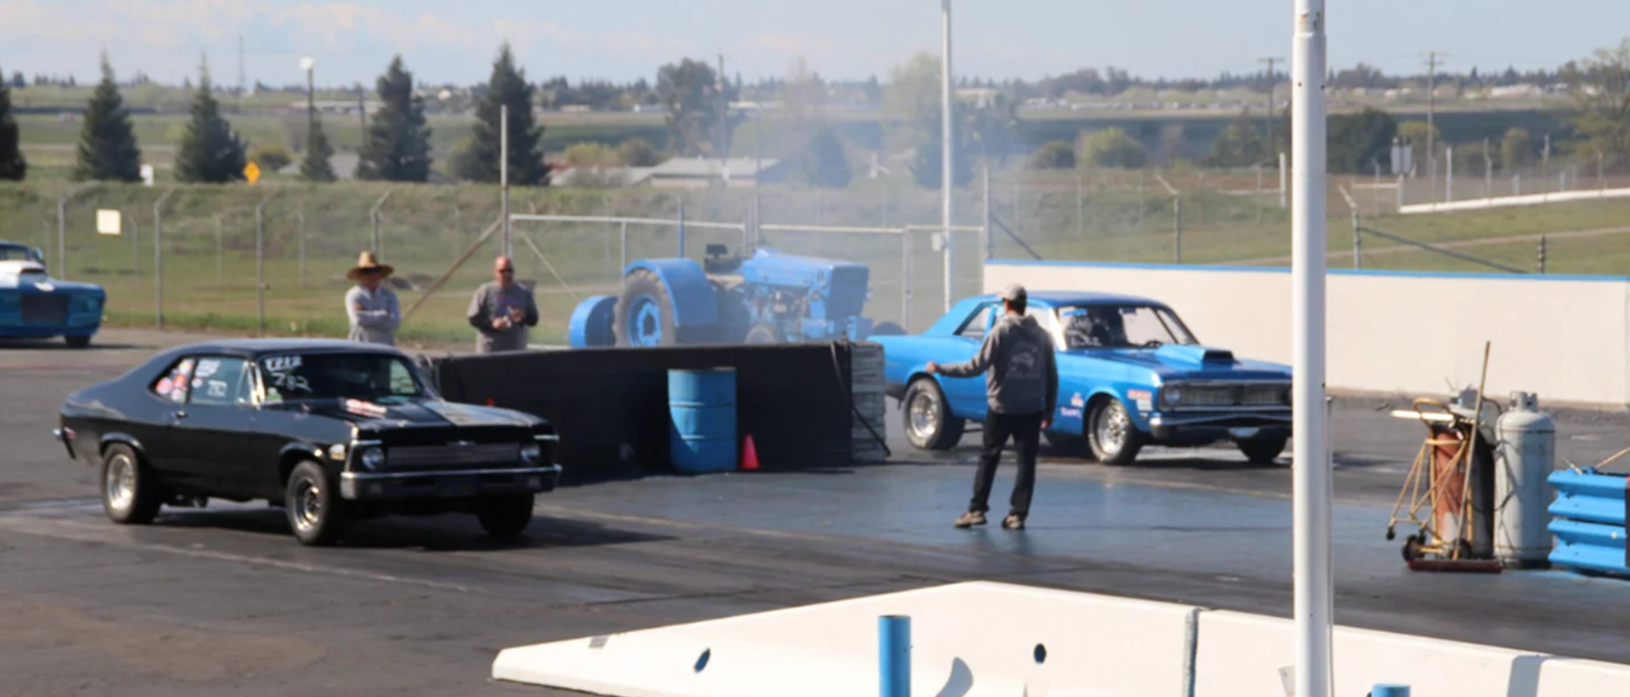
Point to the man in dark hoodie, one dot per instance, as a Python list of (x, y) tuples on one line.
[(1022, 390)]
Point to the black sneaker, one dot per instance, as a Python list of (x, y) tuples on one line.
[(970, 519)]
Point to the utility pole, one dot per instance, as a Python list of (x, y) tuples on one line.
[(946, 153), (1431, 130), (243, 79), (503, 172), (1271, 85), (362, 113), (724, 114)]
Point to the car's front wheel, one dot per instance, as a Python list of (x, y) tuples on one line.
[(315, 513), (1113, 437), (131, 495), (928, 419), (505, 516), (1263, 450)]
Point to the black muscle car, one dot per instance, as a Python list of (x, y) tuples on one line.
[(331, 430)]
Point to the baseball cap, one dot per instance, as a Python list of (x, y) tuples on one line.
[(1013, 292)]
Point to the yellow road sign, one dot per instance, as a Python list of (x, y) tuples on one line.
[(252, 172)]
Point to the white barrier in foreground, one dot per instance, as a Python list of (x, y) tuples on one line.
[(968, 640), (1477, 204), (981, 639), (1564, 337)]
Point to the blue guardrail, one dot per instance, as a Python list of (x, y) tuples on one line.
[(1587, 519)]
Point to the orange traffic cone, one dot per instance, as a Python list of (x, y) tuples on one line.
[(749, 455)]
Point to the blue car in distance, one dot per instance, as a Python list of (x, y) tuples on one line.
[(1130, 374), (34, 306)]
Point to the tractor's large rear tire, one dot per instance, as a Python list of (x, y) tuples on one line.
[(645, 312), (765, 333)]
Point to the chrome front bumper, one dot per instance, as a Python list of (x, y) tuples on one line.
[(1216, 426), (448, 483)]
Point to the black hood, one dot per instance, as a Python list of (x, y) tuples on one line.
[(424, 413)]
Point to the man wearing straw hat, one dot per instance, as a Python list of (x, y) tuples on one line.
[(372, 307)]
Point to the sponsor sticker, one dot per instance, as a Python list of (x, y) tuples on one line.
[(1144, 398), (361, 408), (1076, 401), (1070, 413)]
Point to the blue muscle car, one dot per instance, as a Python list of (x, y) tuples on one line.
[(1130, 374), (32, 305)]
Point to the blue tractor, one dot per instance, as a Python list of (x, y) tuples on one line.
[(769, 297)]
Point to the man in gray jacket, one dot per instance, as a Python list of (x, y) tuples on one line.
[(502, 311), (1021, 387), (372, 308)]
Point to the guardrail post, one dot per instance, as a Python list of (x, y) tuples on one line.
[(1390, 691), (894, 655)]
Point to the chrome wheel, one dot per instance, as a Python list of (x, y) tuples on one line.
[(1112, 427), (121, 482), (308, 505), (924, 418)]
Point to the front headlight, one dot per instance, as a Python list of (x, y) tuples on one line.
[(531, 453), (372, 459), (1171, 395)]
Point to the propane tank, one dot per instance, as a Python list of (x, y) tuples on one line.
[(1525, 454)]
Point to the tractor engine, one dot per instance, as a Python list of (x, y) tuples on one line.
[(768, 297)]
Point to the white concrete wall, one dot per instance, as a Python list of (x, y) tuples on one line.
[(978, 640), (1565, 338)]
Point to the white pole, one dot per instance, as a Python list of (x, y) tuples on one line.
[(1282, 173), (1312, 580), (945, 138), (503, 169)]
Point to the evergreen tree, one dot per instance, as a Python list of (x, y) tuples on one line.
[(926, 168), (823, 160), (398, 145), (507, 86), (211, 153), (315, 167), (12, 164), (107, 144)]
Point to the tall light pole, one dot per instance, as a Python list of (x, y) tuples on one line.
[(945, 142), (1312, 575), (306, 64)]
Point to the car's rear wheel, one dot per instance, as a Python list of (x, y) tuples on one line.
[(765, 333), (1112, 436), (1263, 450), (505, 516), (77, 342), (131, 495), (315, 513), (929, 423)]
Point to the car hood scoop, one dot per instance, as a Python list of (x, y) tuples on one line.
[(1194, 355), (413, 413)]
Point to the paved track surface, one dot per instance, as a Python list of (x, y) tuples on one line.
[(206, 602)]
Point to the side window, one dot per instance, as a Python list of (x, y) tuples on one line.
[(218, 381), (978, 325), (401, 381), (172, 386)]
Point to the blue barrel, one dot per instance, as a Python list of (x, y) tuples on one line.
[(702, 418)]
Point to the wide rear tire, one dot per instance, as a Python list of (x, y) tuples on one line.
[(765, 333), (645, 312), (929, 423), (131, 495)]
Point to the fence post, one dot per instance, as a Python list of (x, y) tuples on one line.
[(158, 259), (135, 244), (624, 258), (1080, 209), (984, 230), (906, 249), (260, 262), (220, 279), (301, 216), (373, 220), (681, 228), (1177, 229), (894, 655), (62, 237), (1358, 242), (1542, 254)]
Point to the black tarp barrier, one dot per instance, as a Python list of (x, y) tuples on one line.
[(610, 406)]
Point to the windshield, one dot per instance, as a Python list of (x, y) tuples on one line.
[(370, 377), (1121, 326), (11, 252)]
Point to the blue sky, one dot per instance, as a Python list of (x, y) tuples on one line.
[(624, 39)]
